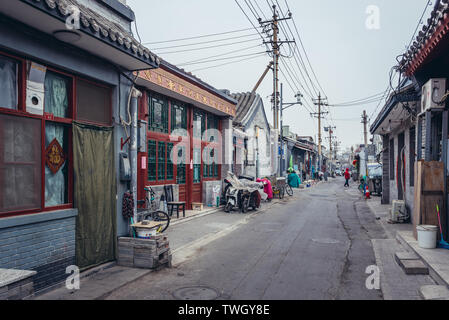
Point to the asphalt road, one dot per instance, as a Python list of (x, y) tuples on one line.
[(314, 246)]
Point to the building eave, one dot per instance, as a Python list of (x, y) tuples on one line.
[(95, 37)]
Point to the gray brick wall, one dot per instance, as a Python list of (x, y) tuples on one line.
[(42, 242)]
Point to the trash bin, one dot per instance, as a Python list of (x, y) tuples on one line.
[(427, 236)]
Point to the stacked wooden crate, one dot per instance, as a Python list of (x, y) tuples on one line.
[(151, 253)]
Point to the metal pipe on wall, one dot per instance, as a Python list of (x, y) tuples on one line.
[(428, 153), (445, 161), (135, 94)]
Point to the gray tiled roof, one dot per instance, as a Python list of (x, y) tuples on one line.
[(439, 14), (99, 26), (244, 102)]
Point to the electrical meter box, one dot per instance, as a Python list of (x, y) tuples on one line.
[(125, 167)]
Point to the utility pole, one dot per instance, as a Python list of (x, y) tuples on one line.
[(275, 43), (275, 47), (320, 115), (331, 132), (365, 132), (336, 145)]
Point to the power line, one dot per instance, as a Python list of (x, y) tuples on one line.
[(255, 28), (298, 81), (199, 37), (377, 95), (298, 65), (419, 23), (297, 54), (304, 49), (220, 55), (357, 104), (210, 47), (204, 42), (293, 90), (265, 17), (251, 8), (225, 64), (227, 58)]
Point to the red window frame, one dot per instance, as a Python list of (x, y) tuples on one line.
[(97, 84), (158, 137), (216, 145), (144, 112), (21, 112)]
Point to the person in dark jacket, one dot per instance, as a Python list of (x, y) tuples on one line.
[(347, 177)]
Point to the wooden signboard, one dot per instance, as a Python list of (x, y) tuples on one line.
[(429, 192)]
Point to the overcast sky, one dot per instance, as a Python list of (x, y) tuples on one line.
[(350, 60)]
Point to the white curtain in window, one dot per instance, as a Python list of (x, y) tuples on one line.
[(56, 102), (55, 184), (56, 98), (8, 84)]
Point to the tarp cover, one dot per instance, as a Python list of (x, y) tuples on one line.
[(94, 194)]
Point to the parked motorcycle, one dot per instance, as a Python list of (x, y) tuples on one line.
[(242, 194)]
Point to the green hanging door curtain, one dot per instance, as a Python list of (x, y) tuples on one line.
[(94, 194)]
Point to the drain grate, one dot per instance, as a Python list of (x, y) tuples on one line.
[(195, 293)]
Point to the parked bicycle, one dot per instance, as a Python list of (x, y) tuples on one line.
[(151, 212), (288, 189)]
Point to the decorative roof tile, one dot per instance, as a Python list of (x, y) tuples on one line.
[(244, 102), (428, 38), (100, 26)]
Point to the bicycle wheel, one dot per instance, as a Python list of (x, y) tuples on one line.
[(289, 190), (163, 217), (282, 193)]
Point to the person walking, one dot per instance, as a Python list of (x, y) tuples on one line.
[(347, 177)]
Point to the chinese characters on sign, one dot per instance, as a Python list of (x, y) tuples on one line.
[(54, 156), (165, 79)]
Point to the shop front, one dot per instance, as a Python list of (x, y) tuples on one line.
[(59, 189), (184, 120)]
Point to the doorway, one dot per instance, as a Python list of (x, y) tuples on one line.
[(400, 160)]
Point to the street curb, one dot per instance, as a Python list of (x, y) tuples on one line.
[(105, 295), (432, 272), (200, 215), (196, 216), (384, 286), (84, 274)]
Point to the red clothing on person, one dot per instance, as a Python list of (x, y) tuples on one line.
[(347, 175), (267, 187)]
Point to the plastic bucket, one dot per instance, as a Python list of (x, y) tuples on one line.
[(427, 236), (146, 233)]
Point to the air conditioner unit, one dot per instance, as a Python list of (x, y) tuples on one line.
[(399, 211), (432, 93), (35, 91), (35, 98)]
